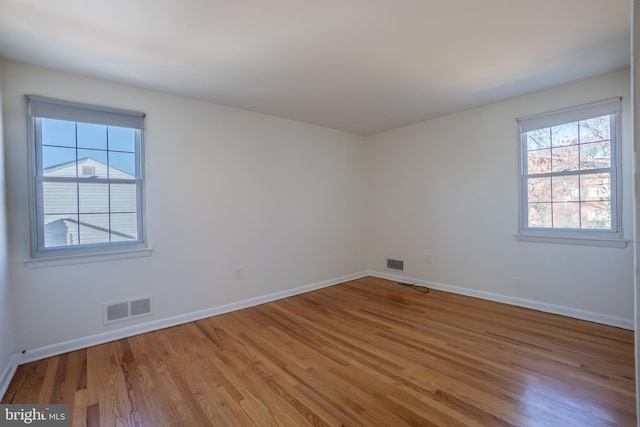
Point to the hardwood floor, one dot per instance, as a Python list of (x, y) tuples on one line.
[(365, 353)]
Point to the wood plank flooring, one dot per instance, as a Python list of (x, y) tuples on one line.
[(363, 353)]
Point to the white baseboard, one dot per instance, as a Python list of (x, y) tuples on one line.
[(8, 372), (605, 319), (78, 343)]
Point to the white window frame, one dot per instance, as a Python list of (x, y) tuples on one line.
[(39, 108), (580, 236)]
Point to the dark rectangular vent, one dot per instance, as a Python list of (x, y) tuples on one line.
[(395, 264)]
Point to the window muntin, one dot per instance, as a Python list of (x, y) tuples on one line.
[(569, 171), (87, 178)]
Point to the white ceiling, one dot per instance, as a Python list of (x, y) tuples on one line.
[(362, 66)]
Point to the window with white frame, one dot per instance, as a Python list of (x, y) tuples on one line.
[(86, 178), (569, 172)]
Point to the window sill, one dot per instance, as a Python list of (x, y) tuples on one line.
[(580, 241), (84, 259)]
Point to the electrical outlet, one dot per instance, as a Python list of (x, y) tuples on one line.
[(428, 258), (239, 273)]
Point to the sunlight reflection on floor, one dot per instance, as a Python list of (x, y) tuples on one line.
[(544, 396)]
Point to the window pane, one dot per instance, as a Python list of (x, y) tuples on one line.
[(123, 198), (539, 189), (97, 155), (566, 215), (94, 228), (565, 158), (122, 165), (58, 132), (122, 139), (78, 163), (596, 215), (537, 139), (565, 188), (92, 164), (595, 155), (94, 198), (595, 130), (540, 215), (569, 168), (60, 198), (124, 226), (92, 136), (59, 161), (60, 231), (539, 161), (595, 187), (566, 134)]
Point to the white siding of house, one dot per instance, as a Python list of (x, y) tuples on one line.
[(88, 202), (101, 170)]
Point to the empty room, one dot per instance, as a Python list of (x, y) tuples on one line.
[(340, 213)]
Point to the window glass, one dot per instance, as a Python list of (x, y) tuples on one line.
[(569, 170), (87, 178)]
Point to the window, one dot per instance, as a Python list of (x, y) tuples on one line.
[(569, 172), (86, 178)]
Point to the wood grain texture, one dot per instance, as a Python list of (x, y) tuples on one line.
[(363, 353)]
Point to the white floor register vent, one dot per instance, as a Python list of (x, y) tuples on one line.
[(125, 310)]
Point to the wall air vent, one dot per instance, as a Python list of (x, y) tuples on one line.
[(141, 306), (395, 264), (124, 310), (117, 311), (88, 170)]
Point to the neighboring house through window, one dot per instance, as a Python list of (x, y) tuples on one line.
[(569, 169), (87, 180)]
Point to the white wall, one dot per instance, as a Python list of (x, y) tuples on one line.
[(226, 189), (635, 94), (449, 187), (295, 204), (7, 341)]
